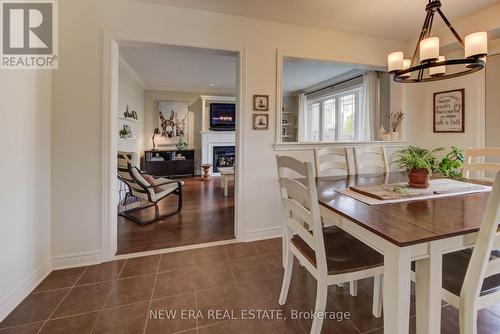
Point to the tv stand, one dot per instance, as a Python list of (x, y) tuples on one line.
[(165, 164)]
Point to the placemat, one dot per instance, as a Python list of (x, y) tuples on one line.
[(386, 194)]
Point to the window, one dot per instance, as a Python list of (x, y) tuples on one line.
[(334, 117)]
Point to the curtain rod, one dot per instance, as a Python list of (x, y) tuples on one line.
[(335, 84)]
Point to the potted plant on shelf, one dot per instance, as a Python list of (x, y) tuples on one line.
[(419, 163)]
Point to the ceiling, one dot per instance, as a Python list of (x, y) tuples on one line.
[(299, 74), (175, 68), (397, 19)]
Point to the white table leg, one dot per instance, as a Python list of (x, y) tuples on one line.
[(428, 293), (396, 290)]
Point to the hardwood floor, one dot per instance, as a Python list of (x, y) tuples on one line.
[(206, 216)]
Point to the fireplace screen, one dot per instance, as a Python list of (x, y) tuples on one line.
[(224, 156)]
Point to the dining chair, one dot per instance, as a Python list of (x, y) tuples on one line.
[(471, 278), (370, 160), (473, 166), (331, 161), (331, 255)]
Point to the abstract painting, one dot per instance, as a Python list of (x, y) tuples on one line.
[(173, 122)]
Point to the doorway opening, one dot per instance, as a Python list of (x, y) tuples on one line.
[(176, 142)]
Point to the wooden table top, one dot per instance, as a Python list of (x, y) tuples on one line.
[(406, 223)]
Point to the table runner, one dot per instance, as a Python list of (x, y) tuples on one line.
[(438, 188)]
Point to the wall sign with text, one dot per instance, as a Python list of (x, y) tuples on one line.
[(449, 111)]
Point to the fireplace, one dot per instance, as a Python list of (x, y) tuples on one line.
[(223, 156)]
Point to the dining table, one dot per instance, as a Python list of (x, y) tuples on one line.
[(419, 230)]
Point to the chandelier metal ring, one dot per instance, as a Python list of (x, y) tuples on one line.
[(472, 65)]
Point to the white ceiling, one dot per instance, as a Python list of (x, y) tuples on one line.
[(299, 74), (397, 19), (183, 69)]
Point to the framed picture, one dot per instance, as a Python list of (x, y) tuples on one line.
[(449, 111), (260, 121), (173, 122), (261, 102)]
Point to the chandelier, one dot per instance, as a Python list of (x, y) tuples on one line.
[(427, 64)]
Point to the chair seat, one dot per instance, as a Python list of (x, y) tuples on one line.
[(344, 253), (161, 191), (455, 267)]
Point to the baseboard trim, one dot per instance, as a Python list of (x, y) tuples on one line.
[(263, 233), (174, 249), (76, 260), (24, 289)]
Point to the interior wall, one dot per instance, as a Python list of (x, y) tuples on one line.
[(492, 101), (131, 94), (25, 125), (78, 87)]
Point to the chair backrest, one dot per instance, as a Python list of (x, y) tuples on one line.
[(370, 160), (480, 265), (300, 205), (331, 161), (472, 165), (132, 177)]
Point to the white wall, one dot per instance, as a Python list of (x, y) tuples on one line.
[(131, 94), (492, 101), (25, 196), (77, 215)]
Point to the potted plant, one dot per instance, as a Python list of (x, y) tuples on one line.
[(451, 164), (125, 132), (419, 163), (181, 145)]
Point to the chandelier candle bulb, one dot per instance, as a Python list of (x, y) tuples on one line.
[(476, 44), (438, 70), (429, 49), (406, 65), (395, 61)]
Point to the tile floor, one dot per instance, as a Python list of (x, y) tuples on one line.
[(116, 297)]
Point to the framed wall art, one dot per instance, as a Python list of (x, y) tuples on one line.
[(449, 111), (260, 121), (173, 122), (261, 102)]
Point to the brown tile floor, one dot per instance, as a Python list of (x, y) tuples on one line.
[(207, 216), (115, 297)]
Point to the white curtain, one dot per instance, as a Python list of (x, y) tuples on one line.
[(370, 108), (302, 118)]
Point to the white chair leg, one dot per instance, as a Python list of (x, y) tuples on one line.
[(286, 277), (468, 319), (377, 296), (353, 288), (320, 308)]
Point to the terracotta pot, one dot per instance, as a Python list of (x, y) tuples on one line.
[(419, 178)]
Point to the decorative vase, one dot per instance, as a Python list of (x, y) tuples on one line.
[(395, 136), (419, 178)]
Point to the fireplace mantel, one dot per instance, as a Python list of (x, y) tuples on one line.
[(211, 139)]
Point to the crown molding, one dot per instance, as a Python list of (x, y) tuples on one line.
[(130, 71)]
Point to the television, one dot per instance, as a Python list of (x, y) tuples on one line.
[(222, 116)]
